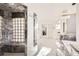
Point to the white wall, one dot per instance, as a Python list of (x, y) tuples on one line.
[(77, 22), (30, 37)]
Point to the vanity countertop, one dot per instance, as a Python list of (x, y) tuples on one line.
[(71, 45), (75, 46)]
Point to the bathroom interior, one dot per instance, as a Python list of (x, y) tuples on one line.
[(39, 29)]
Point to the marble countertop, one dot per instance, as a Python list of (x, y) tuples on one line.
[(72, 45)]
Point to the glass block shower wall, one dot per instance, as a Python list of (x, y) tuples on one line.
[(18, 30)]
